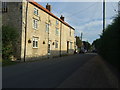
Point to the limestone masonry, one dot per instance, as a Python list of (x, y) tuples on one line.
[(41, 33)]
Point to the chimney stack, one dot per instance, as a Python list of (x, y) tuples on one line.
[(48, 7), (62, 18)]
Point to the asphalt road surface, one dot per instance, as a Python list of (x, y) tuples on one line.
[(76, 71)]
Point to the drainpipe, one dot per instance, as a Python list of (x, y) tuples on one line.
[(25, 32), (48, 35), (60, 37)]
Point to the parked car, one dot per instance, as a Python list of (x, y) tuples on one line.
[(85, 51), (94, 51), (82, 51)]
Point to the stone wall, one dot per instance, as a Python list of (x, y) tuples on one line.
[(13, 18), (43, 36), (16, 17)]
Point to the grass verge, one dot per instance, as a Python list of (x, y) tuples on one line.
[(8, 63)]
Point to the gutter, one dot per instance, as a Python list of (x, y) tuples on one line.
[(25, 32), (60, 37)]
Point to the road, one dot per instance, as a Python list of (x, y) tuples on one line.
[(76, 71)]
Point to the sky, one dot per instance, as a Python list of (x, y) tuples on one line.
[(85, 17)]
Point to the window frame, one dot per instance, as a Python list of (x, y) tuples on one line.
[(71, 46), (56, 44), (35, 42), (35, 11), (57, 31), (47, 27), (70, 32), (35, 23), (57, 22), (4, 7)]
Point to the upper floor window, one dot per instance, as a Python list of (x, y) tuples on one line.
[(47, 27), (35, 42), (70, 32), (35, 23), (57, 22), (4, 7), (57, 31), (35, 11)]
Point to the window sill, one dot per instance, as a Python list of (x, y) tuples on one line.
[(57, 34), (35, 29), (35, 47), (36, 15)]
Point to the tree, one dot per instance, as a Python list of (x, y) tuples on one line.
[(87, 45), (108, 44), (9, 39), (78, 42)]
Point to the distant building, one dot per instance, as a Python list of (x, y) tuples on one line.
[(41, 33)]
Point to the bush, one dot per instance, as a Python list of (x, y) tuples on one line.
[(9, 38), (108, 44)]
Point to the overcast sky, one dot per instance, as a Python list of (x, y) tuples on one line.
[(85, 17)]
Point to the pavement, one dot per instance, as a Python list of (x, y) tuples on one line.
[(94, 74), (76, 71)]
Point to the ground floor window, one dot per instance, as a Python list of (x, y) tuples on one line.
[(70, 45), (56, 44), (35, 42)]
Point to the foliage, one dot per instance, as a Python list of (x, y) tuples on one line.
[(9, 38), (87, 45), (108, 43), (8, 62), (78, 42)]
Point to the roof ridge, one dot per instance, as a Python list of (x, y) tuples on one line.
[(44, 9)]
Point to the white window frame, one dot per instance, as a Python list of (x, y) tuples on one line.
[(47, 27), (71, 45), (57, 22), (35, 23), (35, 11), (70, 32), (57, 31), (35, 42)]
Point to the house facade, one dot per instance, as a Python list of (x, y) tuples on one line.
[(41, 33)]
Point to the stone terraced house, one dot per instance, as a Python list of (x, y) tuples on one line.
[(41, 33)]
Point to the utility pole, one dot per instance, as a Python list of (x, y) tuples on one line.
[(119, 8), (81, 35), (48, 29), (103, 16), (81, 41)]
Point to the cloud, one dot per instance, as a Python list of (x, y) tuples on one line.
[(88, 21), (91, 30)]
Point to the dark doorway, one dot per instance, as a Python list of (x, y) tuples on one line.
[(67, 46), (48, 49)]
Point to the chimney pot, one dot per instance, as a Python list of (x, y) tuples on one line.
[(48, 7), (62, 18)]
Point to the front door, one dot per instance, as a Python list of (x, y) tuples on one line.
[(67, 46), (49, 49)]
